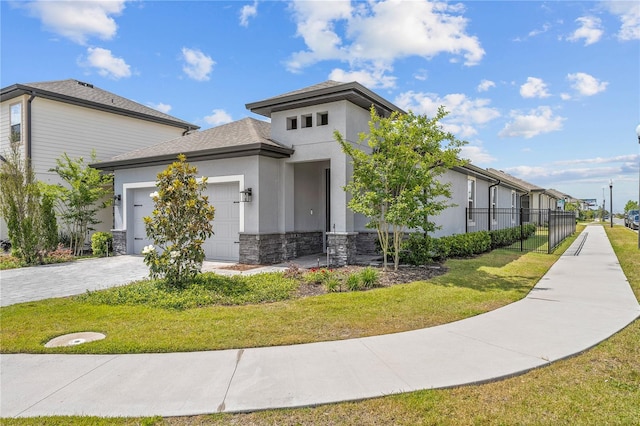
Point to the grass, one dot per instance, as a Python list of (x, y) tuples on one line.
[(600, 386), (472, 286)]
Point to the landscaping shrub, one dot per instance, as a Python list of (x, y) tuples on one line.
[(369, 277), (101, 243), (354, 283), (204, 290)]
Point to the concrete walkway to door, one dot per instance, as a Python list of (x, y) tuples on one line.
[(583, 299)]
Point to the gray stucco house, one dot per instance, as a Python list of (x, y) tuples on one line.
[(278, 187)]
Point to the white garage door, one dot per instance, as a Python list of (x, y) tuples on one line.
[(224, 244), (142, 206)]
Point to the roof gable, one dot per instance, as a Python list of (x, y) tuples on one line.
[(87, 95), (238, 138), (328, 91)]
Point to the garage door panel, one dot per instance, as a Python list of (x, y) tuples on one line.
[(223, 245)]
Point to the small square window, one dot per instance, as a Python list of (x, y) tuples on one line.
[(292, 123), (322, 119), (307, 121)]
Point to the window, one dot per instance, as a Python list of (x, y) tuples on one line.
[(322, 119), (292, 123), (16, 121), (307, 121), (471, 196), (494, 203), (514, 205)]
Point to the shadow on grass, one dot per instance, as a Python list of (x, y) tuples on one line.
[(500, 269)]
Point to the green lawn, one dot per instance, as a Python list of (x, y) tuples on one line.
[(600, 386), (471, 287)]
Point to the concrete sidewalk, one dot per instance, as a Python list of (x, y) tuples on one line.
[(582, 300)]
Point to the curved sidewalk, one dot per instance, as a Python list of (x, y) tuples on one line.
[(582, 300)]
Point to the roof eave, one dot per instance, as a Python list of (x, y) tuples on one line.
[(261, 149), (327, 94), (16, 90)]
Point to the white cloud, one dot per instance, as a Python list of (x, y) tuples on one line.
[(374, 78), (78, 20), (107, 64), (543, 30), (381, 32), (485, 85), (218, 117), (534, 88), (565, 96), (197, 65), (248, 11), (476, 154), (160, 107), (590, 30), (465, 114), (587, 85), (627, 159), (538, 121), (629, 14)]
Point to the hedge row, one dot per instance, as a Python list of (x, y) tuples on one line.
[(420, 249)]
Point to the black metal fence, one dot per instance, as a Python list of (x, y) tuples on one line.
[(541, 230)]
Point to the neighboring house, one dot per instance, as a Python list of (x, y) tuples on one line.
[(535, 197), (481, 200), (51, 118)]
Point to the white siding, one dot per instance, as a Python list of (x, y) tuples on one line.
[(58, 128)]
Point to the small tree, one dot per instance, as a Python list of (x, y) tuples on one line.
[(20, 204), (396, 185), (86, 192), (180, 223), (631, 205)]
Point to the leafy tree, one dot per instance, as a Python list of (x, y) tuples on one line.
[(49, 221), (20, 204), (180, 223), (396, 185), (631, 205), (84, 195)]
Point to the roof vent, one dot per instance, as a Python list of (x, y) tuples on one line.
[(82, 83)]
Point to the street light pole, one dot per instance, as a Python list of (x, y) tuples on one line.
[(611, 201)]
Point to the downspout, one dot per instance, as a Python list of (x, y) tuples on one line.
[(490, 217), (28, 141)]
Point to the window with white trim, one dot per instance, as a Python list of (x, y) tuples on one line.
[(307, 121), (15, 121), (514, 205), (292, 123), (322, 119), (494, 204), (471, 197)]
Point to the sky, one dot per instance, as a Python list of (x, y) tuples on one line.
[(548, 91)]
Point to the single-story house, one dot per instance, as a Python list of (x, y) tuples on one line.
[(278, 186)]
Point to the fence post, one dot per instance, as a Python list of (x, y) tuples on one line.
[(551, 229), (521, 229)]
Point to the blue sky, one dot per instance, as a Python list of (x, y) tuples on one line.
[(546, 91)]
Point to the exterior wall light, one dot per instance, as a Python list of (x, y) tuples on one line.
[(245, 196)]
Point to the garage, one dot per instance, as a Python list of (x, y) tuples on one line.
[(223, 245)]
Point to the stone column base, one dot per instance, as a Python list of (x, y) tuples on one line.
[(342, 248), (119, 241)]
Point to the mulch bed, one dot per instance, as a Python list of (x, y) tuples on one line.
[(404, 274)]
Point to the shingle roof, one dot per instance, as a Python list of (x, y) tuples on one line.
[(243, 137), (328, 91), (85, 94), (507, 177)]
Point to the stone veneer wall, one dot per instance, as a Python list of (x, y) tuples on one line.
[(367, 243), (119, 241), (267, 249), (342, 248)]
